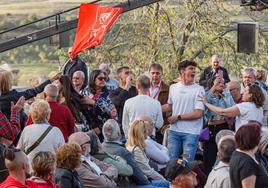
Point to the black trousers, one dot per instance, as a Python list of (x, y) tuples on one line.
[(210, 147)]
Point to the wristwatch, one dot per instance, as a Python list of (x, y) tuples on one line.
[(179, 117)]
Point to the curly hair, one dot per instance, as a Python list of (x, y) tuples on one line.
[(257, 95), (68, 156), (43, 164)]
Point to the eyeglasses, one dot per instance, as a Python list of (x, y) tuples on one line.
[(101, 78), (76, 78), (231, 90), (88, 142)]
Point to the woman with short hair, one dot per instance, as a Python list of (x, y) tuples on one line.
[(245, 170), (249, 109), (68, 158), (31, 141), (43, 165)]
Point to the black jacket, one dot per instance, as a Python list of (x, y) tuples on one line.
[(119, 97), (209, 73), (13, 95), (73, 65), (67, 178)]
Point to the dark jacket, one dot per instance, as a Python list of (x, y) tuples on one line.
[(163, 99), (119, 97), (73, 65), (116, 149), (209, 73), (67, 178), (13, 95)]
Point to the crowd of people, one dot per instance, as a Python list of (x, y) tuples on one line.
[(92, 130)]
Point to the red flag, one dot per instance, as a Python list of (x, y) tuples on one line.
[(94, 21)]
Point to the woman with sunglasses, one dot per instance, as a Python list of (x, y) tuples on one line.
[(101, 110)]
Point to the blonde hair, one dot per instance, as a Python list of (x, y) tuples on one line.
[(137, 134), (5, 82), (39, 110)]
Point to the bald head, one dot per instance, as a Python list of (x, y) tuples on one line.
[(79, 138), (234, 84), (235, 89), (51, 92)]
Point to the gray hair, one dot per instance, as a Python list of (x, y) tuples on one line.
[(223, 133), (110, 130), (226, 148), (80, 73), (51, 91), (249, 70), (143, 82), (264, 140)]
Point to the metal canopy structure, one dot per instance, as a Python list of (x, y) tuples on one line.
[(60, 27)]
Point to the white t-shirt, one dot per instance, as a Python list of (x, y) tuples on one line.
[(248, 111), (141, 105), (184, 100)]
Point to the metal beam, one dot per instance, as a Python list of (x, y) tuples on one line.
[(63, 27)]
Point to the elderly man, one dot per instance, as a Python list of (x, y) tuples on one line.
[(235, 89), (125, 91), (156, 152), (212, 70), (111, 84), (112, 145), (75, 64), (93, 173), (60, 116), (78, 83), (142, 104), (219, 176), (17, 164), (248, 78)]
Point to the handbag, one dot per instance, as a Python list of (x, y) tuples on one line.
[(204, 135)]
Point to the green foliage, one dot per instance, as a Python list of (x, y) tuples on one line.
[(166, 33)]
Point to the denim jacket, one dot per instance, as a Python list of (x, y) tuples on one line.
[(223, 100)]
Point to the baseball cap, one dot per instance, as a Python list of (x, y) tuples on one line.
[(177, 167)]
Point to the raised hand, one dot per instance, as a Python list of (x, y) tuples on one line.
[(19, 105)]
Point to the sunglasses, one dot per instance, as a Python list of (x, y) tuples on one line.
[(101, 78)]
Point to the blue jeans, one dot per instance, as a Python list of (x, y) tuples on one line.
[(182, 144), (155, 184)]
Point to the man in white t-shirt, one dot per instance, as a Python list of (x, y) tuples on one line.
[(249, 77), (187, 113), (140, 105)]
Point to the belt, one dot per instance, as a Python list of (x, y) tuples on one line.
[(216, 122)]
